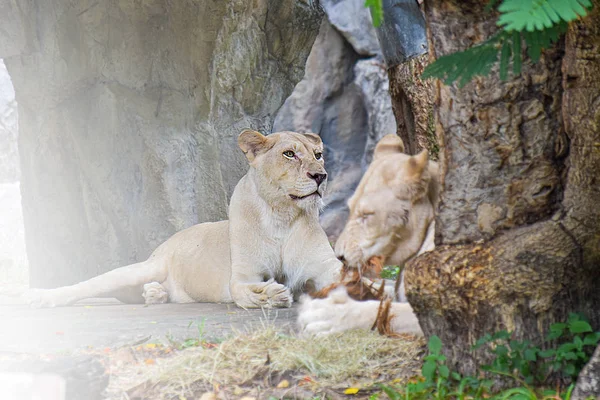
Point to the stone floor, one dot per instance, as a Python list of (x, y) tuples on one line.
[(108, 323)]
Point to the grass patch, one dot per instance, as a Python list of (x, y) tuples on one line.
[(268, 363)]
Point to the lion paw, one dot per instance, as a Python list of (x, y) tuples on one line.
[(42, 298), (269, 294), (335, 313), (155, 293)]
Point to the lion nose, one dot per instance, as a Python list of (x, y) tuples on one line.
[(319, 178)]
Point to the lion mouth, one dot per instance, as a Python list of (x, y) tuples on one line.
[(316, 192)]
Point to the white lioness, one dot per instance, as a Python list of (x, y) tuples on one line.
[(391, 215), (271, 248)]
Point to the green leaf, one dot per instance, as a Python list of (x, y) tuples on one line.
[(501, 350), (566, 347), (482, 340), (501, 335), (570, 356), (504, 59), (547, 353), (516, 40), (578, 342), (591, 339), (444, 371), (435, 345), (530, 354), (376, 7), (428, 370), (570, 370), (579, 327), (456, 376)]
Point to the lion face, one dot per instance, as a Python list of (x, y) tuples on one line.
[(290, 165), (391, 208)]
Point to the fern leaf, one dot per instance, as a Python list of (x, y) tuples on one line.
[(532, 15), (504, 59), (462, 66), (376, 7), (516, 40)]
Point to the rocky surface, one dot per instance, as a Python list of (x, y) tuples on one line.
[(9, 155), (129, 116), (588, 381), (344, 98)]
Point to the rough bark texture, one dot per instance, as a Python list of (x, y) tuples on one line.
[(588, 381), (519, 221), (129, 113), (412, 102)]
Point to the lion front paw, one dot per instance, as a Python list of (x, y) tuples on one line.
[(155, 293), (335, 313), (268, 294), (42, 298)]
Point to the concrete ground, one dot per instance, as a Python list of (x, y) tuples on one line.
[(109, 323)]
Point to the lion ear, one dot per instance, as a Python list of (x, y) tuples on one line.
[(314, 139), (252, 143), (418, 163), (388, 144)]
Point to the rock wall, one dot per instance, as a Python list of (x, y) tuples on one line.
[(9, 155), (129, 114), (344, 98)]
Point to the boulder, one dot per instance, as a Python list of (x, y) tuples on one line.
[(129, 116)]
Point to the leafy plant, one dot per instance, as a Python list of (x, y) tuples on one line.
[(535, 23), (390, 272), (521, 361)]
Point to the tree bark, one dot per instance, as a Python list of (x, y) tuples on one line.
[(518, 228), (412, 103)]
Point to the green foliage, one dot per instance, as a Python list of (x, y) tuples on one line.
[(376, 7), (537, 23), (538, 15), (390, 272), (521, 361)]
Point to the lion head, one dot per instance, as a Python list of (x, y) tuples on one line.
[(289, 165), (392, 207)]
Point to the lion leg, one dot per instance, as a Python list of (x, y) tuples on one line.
[(123, 283), (269, 294)]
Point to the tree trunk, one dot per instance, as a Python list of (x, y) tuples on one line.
[(518, 228), (412, 103)]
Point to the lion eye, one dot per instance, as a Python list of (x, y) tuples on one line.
[(365, 216), (318, 156), (289, 154)]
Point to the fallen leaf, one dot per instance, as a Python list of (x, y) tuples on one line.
[(151, 345), (283, 384), (149, 361), (351, 390)]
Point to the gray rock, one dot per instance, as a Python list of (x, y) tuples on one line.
[(343, 99), (129, 115), (9, 154), (353, 20), (371, 76), (588, 382)]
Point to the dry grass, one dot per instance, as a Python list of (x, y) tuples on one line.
[(256, 364)]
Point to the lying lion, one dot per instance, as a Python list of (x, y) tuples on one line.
[(391, 216), (271, 248)]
